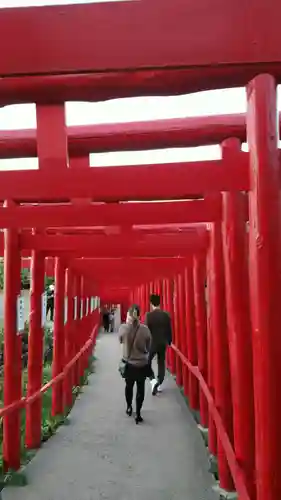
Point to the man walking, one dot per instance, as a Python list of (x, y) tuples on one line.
[(159, 324)]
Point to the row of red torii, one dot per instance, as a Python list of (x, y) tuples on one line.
[(109, 249), (123, 49)]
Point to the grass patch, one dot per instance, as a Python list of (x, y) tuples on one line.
[(48, 427)]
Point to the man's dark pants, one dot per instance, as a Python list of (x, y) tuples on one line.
[(160, 352)]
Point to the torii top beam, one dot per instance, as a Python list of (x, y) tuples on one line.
[(157, 134), (126, 45)]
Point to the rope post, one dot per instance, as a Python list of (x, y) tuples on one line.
[(12, 349), (35, 351), (59, 340)]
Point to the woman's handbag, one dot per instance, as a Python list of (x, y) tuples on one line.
[(123, 365)]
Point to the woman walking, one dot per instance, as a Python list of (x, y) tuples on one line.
[(136, 340)]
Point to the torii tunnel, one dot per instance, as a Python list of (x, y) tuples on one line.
[(210, 245)]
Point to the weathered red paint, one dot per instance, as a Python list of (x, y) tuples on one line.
[(220, 348), (182, 326), (51, 138), (111, 214), (154, 134), (264, 263), (147, 42), (177, 332), (118, 246), (191, 340), (200, 313), (239, 326), (155, 182)]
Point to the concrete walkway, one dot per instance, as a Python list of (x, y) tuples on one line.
[(103, 455)]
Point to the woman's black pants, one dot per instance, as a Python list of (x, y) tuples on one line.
[(135, 375)]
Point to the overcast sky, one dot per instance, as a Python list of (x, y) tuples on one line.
[(126, 110)]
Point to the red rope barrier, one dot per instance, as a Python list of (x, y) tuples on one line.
[(23, 402), (236, 471)]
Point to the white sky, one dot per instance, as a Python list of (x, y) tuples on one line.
[(225, 101)]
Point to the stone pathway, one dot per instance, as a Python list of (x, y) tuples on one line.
[(103, 455)]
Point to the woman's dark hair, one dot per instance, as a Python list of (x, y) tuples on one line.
[(134, 312)]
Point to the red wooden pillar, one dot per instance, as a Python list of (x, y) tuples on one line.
[(59, 342), (193, 389), (166, 308), (220, 352), (12, 350), (81, 334), (79, 337), (179, 374), (171, 310), (147, 297), (35, 351), (212, 431), (199, 275), (142, 302), (69, 348), (157, 288), (264, 259), (164, 292), (239, 325), (51, 134), (76, 328), (182, 329), (80, 162)]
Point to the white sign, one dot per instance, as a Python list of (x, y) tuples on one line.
[(81, 309), (43, 309), (75, 308), (87, 306), (20, 314), (65, 309)]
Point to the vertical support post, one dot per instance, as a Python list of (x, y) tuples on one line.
[(76, 327), (166, 308), (69, 348), (142, 302), (12, 350), (199, 275), (220, 353), (264, 251), (35, 351), (179, 374), (171, 310), (80, 162), (193, 390), (147, 305), (164, 291), (212, 431), (59, 347), (182, 333), (239, 326), (52, 143)]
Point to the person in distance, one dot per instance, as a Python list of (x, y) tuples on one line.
[(159, 324)]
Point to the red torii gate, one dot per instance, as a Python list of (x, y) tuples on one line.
[(159, 134), (149, 57)]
